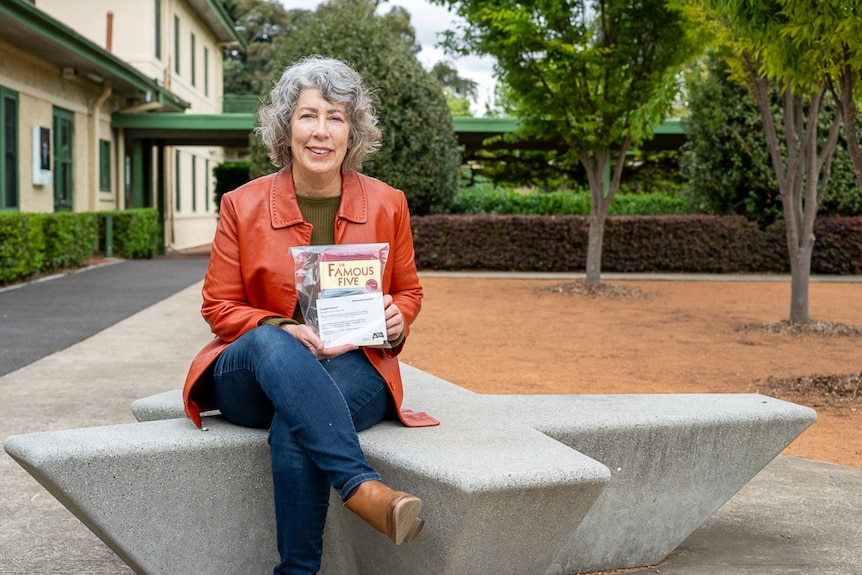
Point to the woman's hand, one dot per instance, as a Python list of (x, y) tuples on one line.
[(312, 342), (394, 319)]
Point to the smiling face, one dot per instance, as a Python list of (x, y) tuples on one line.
[(320, 136)]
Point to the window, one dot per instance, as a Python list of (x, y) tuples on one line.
[(194, 66), (207, 185), (194, 184), (63, 161), (206, 71), (176, 44), (8, 150), (177, 180), (158, 29), (104, 166)]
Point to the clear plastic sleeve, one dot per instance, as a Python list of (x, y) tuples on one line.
[(340, 292)]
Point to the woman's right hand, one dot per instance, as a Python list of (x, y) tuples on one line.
[(312, 342)]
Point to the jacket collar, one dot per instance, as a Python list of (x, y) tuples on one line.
[(284, 209)]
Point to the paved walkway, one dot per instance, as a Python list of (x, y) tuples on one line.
[(78, 349)]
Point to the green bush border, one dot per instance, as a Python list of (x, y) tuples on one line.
[(136, 233), (39, 243), (484, 199), (693, 244)]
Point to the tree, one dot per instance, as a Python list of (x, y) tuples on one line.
[(459, 91), (597, 75), (725, 157), (769, 49), (263, 24), (726, 160), (420, 153), (830, 31), (398, 22)]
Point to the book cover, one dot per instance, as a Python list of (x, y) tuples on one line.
[(349, 274)]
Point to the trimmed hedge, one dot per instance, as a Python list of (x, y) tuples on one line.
[(136, 232), (694, 244), (34, 243), (22, 246), (70, 239)]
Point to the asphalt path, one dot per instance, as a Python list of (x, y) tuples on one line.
[(50, 314)]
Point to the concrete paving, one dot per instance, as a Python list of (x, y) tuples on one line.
[(795, 517)]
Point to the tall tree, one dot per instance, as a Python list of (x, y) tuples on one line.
[(263, 24), (598, 75), (459, 91), (830, 32), (769, 50)]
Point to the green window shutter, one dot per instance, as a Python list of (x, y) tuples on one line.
[(9, 159), (158, 29), (104, 165)]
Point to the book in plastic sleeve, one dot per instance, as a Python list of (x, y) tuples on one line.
[(340, 289)]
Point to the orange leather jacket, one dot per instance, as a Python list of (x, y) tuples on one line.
[(251, 274)]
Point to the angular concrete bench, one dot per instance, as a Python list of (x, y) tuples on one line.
[(511, 484)]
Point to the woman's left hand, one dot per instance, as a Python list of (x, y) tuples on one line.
[(394, 318)]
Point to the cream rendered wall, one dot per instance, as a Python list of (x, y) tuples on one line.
[(133, 37), (133, 40), (193, 224), (41, 87)]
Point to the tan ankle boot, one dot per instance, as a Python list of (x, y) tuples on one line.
[(393, 513)]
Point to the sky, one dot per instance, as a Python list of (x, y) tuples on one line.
[(428, 20)]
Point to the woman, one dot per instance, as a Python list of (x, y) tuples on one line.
[(265, 367)]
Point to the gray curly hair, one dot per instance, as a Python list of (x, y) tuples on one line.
[(339, 84)]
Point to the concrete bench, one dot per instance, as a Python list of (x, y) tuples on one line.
[(512, 484)]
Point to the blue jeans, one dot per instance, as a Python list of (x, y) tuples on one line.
[(313, 410)]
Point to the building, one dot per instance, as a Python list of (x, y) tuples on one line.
[(68, 69)]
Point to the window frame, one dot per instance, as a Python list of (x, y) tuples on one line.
[(158, 30), (177, 67), (104, 165), (10, 127)]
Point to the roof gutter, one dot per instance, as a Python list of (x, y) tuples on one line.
[(226, 21)]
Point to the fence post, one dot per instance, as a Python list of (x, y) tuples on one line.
[(109, 236)]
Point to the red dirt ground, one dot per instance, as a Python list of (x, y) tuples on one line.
[(547, 336)]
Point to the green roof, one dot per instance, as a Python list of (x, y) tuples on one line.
[(232, 130), (228, 130), (219, 21)]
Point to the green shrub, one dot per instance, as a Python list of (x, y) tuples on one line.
[(726, 159), (22, 246), (31, 244), (70, 239), (486, 199), (692, 243), (136, 233), (229, 176)]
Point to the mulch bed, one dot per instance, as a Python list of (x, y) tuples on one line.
[(831, 389), (603, 290)]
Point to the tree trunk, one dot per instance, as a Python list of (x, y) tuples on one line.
[(800, 275), (594, 249), (602, 191), (802, 175)]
